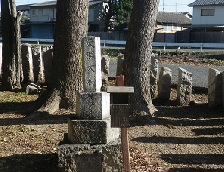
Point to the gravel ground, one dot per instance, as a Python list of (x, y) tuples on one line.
[(175, 139), (183, 138)]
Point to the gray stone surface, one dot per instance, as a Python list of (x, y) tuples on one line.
[(92, 131), (200, 73), (92, 79), (86, 158), (214, 88), (27, 63), (164, 84), (154, 69), (93, 105), (184, 87), (105, 71), (47, 56)]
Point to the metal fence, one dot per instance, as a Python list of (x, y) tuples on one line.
[(121, 44)]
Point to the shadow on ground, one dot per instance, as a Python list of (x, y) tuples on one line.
[(180, 140), (194, 170), (215, 159), (29, 163)]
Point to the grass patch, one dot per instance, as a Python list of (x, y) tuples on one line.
[(11, 97)]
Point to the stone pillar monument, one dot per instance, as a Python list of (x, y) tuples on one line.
[(94, 142)]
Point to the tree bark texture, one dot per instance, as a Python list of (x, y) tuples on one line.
[(138, 54), (11, 50), (71, 27)]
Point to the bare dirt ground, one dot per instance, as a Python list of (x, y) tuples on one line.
[(175, 139)]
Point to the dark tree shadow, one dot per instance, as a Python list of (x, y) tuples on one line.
[(196, 111), (217, 159), (208, 131), (194, 170), (189, 122), (29, 163), (180, 140)]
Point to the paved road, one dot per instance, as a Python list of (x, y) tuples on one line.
[(199, 73)]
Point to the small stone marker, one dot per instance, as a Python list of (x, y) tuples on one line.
[(184, 87), (214, 88), (41, 76), (164, 84), (27, 62)]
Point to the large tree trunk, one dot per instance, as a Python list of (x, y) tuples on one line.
[(71, 27), (138, 54), (11, 50)]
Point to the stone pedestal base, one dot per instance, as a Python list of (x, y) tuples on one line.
[(92, 131), (83, 158)]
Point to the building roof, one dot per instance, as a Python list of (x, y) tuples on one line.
[(47, 3), (173, 17), (53, 3), (206, 2), (23, 7)]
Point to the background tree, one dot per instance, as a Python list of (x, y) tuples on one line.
[(124, 8), (11, 50), (109, 14), (71, 27), (138, 54), (117, 14)]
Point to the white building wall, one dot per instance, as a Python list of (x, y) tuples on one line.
[(42, 14), (217, 19)]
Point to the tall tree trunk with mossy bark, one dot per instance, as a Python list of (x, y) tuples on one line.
[(11, 50), (137, 56), (71, 27)]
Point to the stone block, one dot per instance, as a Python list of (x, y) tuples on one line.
[(214, 88), (92, 105), (76, 158), (184, 87), (92, 77), (83, 157), (164, 84), (92, 131), (154, 69)]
